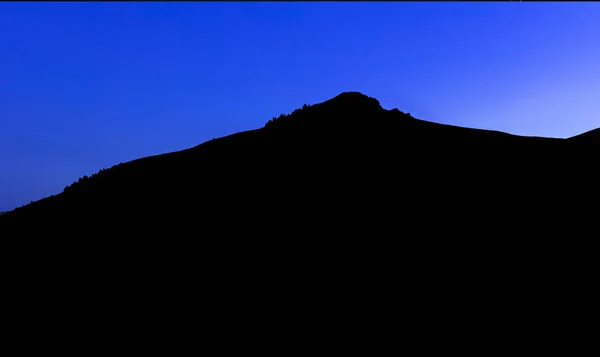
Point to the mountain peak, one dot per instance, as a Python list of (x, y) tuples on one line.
[(345, 109), (353, 101)]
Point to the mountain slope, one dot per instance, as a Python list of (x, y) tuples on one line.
[(336, 204), (346, 146), (327, 175)]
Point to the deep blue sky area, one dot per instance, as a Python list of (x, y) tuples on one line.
[(85, 86)]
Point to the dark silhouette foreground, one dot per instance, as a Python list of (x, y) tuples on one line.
[(344, 164), (341, 193), (341, 170)]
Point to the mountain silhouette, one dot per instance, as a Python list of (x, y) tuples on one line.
[(328, 180), (343, 158), (341, 198)]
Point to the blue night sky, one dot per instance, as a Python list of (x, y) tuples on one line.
[(85, 86)]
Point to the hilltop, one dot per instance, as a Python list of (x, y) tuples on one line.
[(336, 199), (324, 173), (345, 146)]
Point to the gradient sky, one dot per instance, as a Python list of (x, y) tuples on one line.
[(85, 86)]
